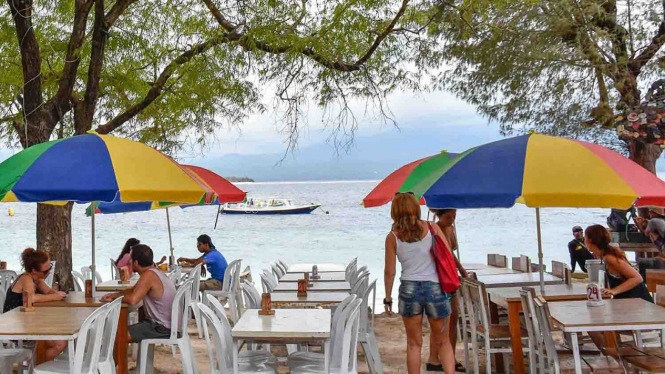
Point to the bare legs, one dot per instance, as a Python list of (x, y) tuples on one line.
[(54, 348), (439, 337)]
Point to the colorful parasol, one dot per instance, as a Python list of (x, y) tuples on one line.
[(95, 167), (226, 192), (536, 170)]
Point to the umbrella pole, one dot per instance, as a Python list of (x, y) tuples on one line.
[(92, 267), (540, 252), (219, 209), (168, 224)]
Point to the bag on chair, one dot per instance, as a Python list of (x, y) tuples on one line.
[(445, 263)]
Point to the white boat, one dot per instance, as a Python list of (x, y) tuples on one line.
[(267, 206)]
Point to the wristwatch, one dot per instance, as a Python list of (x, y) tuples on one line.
[(386, 302)]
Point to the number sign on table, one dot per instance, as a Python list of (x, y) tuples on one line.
[(595, 297)]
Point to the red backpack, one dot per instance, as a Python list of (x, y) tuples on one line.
[(445, 263)]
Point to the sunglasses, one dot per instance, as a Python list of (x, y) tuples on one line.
[(576, 231), (45, 272)]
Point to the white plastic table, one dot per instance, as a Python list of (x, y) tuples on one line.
[(285, 326), (323, 268), (115, 285), (315, 287), (313, 299), (333, 276)]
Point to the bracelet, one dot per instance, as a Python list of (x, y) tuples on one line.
[(386, 302)]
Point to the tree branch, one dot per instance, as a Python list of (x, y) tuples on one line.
[(116, 11), (159, 85), (95, 68), (244, 41), (647, 54)]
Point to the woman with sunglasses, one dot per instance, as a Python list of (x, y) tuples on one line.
[(37, 266), (410, 241)]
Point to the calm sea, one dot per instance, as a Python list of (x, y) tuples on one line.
[(349, 230)]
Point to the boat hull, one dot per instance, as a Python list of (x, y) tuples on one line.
[(296, 210)]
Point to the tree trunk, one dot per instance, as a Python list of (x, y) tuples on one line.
[(646, 156), (54, 235)]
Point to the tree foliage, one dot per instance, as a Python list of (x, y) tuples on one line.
[(562, 67)]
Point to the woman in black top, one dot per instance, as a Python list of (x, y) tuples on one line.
[(37, 267), (623, 280)]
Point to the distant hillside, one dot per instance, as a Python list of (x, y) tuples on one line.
[(238, 179)]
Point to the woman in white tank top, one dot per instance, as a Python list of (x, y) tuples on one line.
[(410, 241)]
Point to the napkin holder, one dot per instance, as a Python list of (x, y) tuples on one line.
[(315, 272), (302, 288), (3, 265), (266, 305), (28, 300), (309, 284), (594, 295), (88, 288), (124, 275)]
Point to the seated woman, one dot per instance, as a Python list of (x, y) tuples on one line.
[(124, 259), (623, 280), (37, 267)]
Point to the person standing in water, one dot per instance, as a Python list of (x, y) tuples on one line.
[(446, 222)]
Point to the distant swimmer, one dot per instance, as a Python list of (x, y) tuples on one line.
[(11, 212)]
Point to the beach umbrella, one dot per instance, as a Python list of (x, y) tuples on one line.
[(93, 167), (225, 191), (538, 171)]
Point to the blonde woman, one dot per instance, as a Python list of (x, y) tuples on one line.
[(410, 241)]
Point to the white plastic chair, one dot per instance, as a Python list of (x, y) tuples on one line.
[(366, 335), (7, 277), (267, 283), (22, 356), (179, 313), (106, 362), (221, 357), (283, 266), (49, 278), (343, 343), (175, 275), (115, 272), (351, 269), (230, 290), (87, 274), (78, 280), (252, 296), (3, 296), (277, 271), (360, 285), (87, 347), (195, 276)]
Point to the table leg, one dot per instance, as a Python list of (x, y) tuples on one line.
[(576, 353), (70, 353), (516, 336), (326, 356), (662, 338), (236, 348), (121, 343)]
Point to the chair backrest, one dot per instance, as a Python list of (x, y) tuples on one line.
[(3, 295), (360, 285), (180, 308), (654, 278), (175, 275), (219, 327), (110, 330), (536, 344), (522, 263), (195, 276), (252, 296), (350, 270), (342, 311), (559, 269), (271, 278), (477, 305), (7, 277), (266, 283), (281, 266), (497, 260), (284, 265), (660, 295), (345, 353), (49, 278), (276, 271), (87, 274), (536, 268), (229, 275), (542, 311), (78, 280), (88, 345), (364, 307), (115, 273)]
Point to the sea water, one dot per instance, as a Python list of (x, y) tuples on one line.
[(348, 230)]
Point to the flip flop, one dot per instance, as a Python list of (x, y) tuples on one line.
[(434, 367)]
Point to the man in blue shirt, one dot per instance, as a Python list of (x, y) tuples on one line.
[(214, 261)]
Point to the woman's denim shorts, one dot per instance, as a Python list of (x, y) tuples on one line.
[(416, 297)]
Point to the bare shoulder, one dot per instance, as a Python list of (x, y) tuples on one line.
[(611, 260)]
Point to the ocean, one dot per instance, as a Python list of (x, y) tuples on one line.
[(348, 230)]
